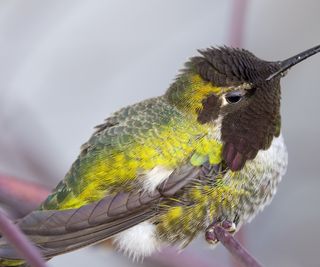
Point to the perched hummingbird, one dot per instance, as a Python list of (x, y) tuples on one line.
[(161, 171)]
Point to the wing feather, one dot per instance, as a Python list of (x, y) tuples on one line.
[(59, 231)]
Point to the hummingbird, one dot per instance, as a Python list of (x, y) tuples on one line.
[(159, 172)]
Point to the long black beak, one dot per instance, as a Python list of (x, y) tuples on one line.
[(288, 63)]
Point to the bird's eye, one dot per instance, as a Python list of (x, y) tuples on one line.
[(234, 97)]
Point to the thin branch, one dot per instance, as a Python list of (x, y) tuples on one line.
[(240, 236), (16, 238), (24, 190), (21, 196), (235, 248), (237, 23)]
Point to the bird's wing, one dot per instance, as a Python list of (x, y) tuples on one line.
[(58, 231), (126, 148), (120, 151), (102, 193)]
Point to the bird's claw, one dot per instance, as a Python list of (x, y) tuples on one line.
[(210, 234)]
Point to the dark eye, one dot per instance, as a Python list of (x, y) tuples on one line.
[(234, 97)]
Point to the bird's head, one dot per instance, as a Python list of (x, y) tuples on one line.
[(239, 91)]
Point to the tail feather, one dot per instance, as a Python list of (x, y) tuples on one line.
[(53, 245)]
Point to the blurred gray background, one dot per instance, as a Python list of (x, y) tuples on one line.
[(66, 65)]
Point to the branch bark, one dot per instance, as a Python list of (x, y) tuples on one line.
[(17, 239), (235, 248)]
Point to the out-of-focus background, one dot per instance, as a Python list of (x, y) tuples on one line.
[(66, 65)]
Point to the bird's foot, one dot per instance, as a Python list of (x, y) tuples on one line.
[(210, 234)]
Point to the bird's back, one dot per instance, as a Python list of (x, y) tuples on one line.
[(150, 135)]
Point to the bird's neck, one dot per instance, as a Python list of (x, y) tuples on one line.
[(188, 92)]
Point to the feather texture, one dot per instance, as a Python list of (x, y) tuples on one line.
[(59, 231)]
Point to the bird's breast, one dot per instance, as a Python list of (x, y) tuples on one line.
[(260, 178)]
